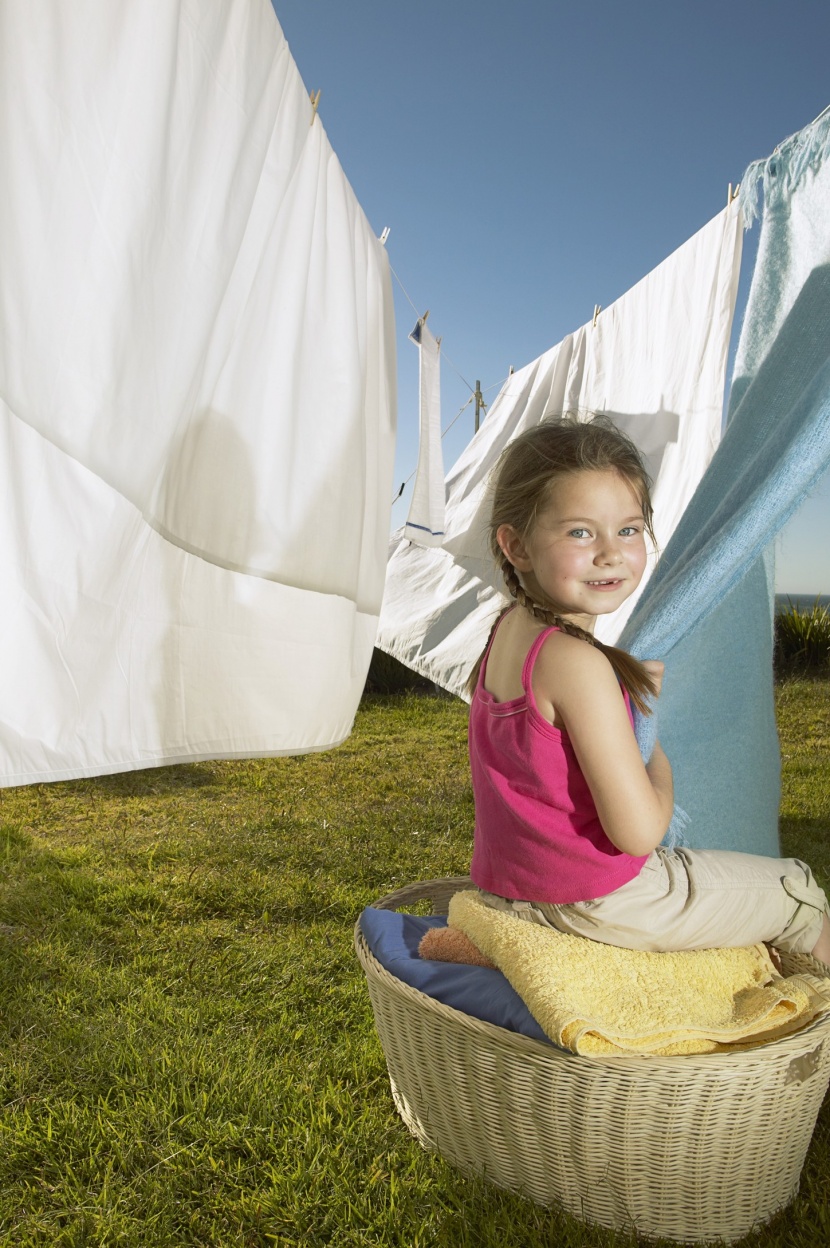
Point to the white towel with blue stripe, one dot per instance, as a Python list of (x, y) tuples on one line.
[(425, 523)]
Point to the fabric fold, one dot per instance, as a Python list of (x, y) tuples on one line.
[(655, 362), (198, 395), (598, 999), (708, 610)]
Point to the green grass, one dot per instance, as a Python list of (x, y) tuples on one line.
[(187, 1054)]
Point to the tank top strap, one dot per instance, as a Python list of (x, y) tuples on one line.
[(485, 656), (532, 655)]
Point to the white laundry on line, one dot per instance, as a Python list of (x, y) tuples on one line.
[(655, 361), (197, 395), (425, 522)]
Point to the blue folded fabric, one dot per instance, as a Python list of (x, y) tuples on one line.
[(475, 990)]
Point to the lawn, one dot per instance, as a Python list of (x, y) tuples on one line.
[(187, 1050)]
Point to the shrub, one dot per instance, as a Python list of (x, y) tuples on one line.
[(387, 675), (802, 638)]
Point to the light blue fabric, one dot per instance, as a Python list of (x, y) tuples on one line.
[(707, 610)]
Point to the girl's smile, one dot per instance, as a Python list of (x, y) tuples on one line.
[(586, 552)]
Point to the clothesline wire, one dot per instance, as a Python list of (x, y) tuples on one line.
[(444, 355), (461, 409)]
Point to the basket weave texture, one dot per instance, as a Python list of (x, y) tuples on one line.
[(693, 1148)]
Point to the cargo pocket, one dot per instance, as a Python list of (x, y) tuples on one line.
[(804, 929), (804, 894)]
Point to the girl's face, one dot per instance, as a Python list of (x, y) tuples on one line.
[(587, 551)]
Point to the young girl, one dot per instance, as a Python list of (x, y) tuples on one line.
[(568, 818)]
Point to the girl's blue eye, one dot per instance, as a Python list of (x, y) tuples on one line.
[(578, 533), (630, 530)]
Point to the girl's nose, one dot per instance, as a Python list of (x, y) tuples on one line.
[(608, 553)]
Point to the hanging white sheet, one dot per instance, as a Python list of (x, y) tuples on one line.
[(655, 361), (425, 522), (197, 388)]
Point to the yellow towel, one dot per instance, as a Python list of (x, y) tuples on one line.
[(597, 999)]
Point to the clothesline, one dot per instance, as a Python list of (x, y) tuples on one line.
[(444, 355)]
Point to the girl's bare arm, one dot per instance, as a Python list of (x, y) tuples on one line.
[(634, 802)]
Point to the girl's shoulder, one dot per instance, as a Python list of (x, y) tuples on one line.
[(510, 654), (561, 649), (565, 670)]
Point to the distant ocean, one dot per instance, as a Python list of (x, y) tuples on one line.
[(802, 601)]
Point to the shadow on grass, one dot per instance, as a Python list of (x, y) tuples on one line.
[(797, 826), (809, 840), (45, 897), (792, 671), (149, 782)]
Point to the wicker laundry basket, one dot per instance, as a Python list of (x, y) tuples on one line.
[(690, 1148)]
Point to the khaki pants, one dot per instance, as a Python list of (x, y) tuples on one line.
[(695, 899)]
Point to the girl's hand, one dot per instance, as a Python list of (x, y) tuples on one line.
[(655, 669)]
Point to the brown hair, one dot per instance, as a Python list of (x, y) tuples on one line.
[(521, 489)]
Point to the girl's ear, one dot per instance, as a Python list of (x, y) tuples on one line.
[(513, 547)]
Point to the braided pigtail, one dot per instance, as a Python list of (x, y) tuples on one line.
[(518, 594), (628, 670), (521, 487), (632, 676)]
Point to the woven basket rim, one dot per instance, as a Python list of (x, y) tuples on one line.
[(791, 1046)]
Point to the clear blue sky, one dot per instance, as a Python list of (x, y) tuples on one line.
[(533, 159)]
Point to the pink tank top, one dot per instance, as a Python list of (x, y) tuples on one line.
[(538, 836)]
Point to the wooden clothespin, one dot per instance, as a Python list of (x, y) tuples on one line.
[(732, 193), (314, 96), (597, 310), (387, 231)]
